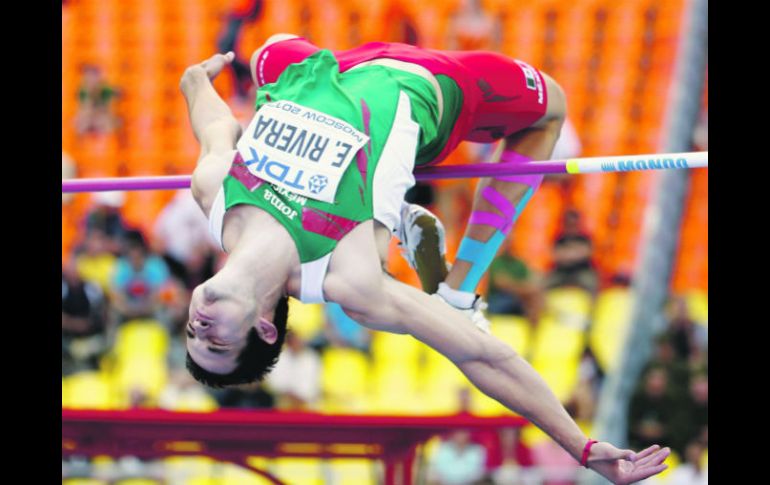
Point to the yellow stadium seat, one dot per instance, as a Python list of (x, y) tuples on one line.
[(513, 330), (389, 347), (442, 382), (672, 461), (102, 465), (306, 320), (569, 306), (483, 405), (231, 474), (97, 269), (561, 375), (136, 481), (395, 387), (141, 338), (610, 325), (555, 341), (298, 471), (190, 400), (698, 306), (344, 379), (147, 375), (87, 390), (84, 481), (351, 471), (189, 469), (532, 436)]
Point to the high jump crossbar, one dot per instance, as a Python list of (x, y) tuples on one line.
[(627, 163)]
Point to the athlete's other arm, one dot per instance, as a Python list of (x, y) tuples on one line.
[(214, 126), (381, 303)]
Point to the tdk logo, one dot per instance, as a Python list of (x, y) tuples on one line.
[(650, 164), (274, 170)]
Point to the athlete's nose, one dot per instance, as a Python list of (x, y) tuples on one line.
[(200, 326)]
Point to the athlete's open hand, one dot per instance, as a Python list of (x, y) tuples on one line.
[(624, 466)]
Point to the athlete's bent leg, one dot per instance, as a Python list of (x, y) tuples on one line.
[(500, 200)]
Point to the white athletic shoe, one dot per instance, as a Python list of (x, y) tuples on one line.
[(419, 230), (474, 310), (422, 231)]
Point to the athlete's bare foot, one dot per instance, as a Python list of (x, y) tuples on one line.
[(210, 68)]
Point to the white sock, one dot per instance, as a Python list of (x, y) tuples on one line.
[(462, 300)]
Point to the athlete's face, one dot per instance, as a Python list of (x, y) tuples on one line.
[(217, 327)]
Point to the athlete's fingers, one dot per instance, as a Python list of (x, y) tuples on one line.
[(646, 452)]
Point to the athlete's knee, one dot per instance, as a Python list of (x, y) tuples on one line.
[(255, 56), (556, 110)]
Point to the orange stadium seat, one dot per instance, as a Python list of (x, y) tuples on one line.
[(281, 17), (522, 33), (142, 207), (536, 228)]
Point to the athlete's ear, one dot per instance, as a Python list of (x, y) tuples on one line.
[(267, 331)]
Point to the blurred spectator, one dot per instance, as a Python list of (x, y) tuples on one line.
[(515, 464), (181, 236), (183, 393), (457, 461), (651, 411), (247, 396), (582, 404), (506, 454), (94, 261), (296, 378), (341, 331), (95, 98), (138, 279), (689, 339), (472, 28), (692, 471), (105, 216), (572, 265), (695, 411), (513, 288), (678, 370), (83, 322), (572, 225), (244, 11), (68, 171)]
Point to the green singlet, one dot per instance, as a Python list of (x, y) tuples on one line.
[(368, 99)]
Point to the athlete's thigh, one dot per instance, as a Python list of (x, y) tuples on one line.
[(512, 94)]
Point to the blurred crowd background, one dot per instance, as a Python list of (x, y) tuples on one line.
[(559, 292)]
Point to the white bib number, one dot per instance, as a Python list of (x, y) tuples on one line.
[(300, 149)]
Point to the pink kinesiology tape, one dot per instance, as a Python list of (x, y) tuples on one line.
[(512, 157)]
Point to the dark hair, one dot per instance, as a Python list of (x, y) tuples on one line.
[(255, 360)]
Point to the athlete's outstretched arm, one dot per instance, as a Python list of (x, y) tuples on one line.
[(213, 124), (496, 370), (208, 112)]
